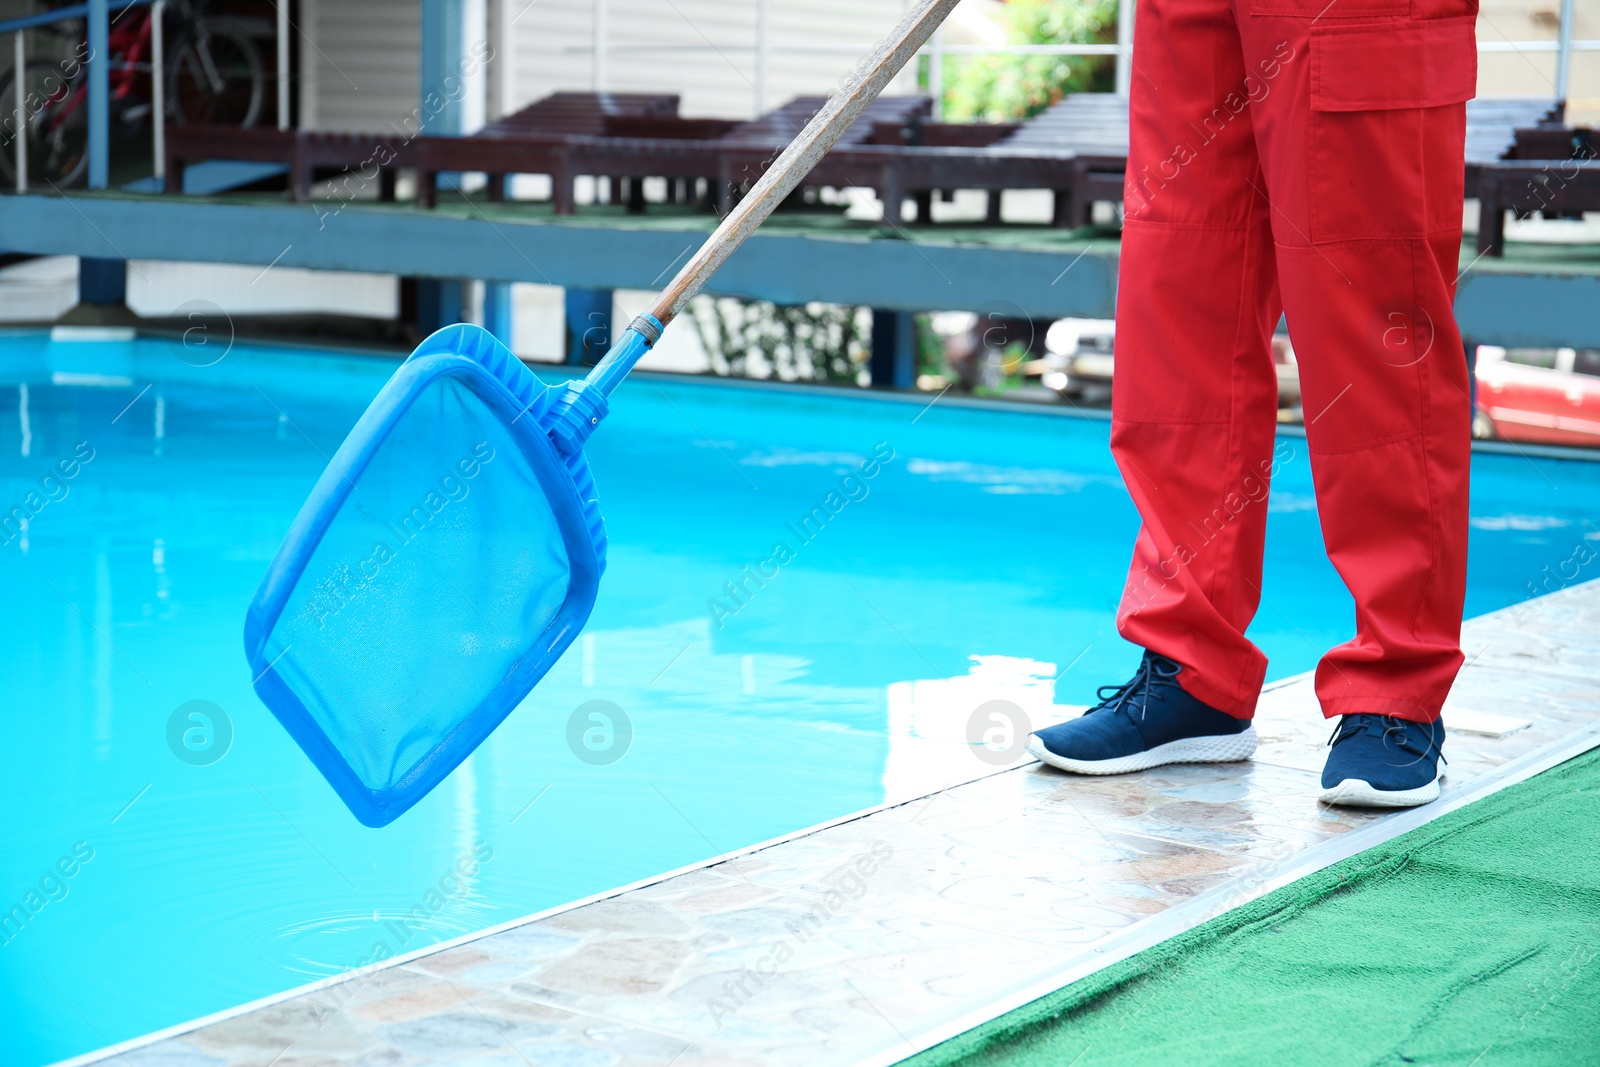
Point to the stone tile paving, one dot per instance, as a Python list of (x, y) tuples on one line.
[(832, 946)]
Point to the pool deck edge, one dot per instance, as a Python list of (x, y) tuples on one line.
[(121, 1048), (1024, 881)]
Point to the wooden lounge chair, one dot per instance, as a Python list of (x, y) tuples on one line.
[(187, 144), (1492, 125), (723, 157), (745, 152), (538, 139), (892, 148), (309, 154), (527, 141), (682, 151), (581, 114), (1095, 127), (1550, 169), (1077, 148)]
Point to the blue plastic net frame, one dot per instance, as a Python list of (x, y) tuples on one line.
[(528, 410)]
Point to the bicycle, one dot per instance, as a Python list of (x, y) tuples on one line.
[(214, 75)]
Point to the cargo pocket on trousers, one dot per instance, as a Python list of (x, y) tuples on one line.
[(1384, 144)]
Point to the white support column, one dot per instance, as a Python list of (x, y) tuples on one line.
[(1564, 52), (763, 46), (283, 63), (310, 74), (158, 90), (444, 48), (19, 67), (1125, 46), (599, 44), (503, 67), (471, 68)]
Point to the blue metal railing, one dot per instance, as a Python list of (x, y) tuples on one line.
[(97, 13), (62, 14)]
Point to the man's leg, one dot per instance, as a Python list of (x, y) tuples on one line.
[(1362, 145), (1362, 138), (1195, 397), (1194, 404)]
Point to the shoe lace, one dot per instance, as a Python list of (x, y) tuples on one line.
[(1396, 732), (1151, 679)]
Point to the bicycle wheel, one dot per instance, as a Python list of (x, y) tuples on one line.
[(216, 77), (57, 126)]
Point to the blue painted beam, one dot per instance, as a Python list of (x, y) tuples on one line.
[(782, 267), (588, 327), (439, 113), (59, 14), (1529, 310), (1535, 308), (498, 317), (213, 176), (102, 281), (443, 54), (894, 349), (438, 304), (99, 95)]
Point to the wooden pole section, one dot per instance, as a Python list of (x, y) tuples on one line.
[(803, 153)]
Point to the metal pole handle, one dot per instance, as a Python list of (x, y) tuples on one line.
[(1564, 52), (282, 31), (786, 172), (20, 90), (803, 153), (158, 90)]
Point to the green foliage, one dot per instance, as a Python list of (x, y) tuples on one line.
[(930, 348), (1002, 371), (1004, 88), (759, 339)]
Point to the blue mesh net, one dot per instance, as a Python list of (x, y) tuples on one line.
[(447, 545), (446, 559)]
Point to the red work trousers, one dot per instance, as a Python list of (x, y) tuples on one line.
[(1302, 157)]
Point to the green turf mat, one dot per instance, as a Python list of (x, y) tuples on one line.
[(1473, 940)]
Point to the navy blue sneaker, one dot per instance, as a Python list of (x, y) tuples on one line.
[(1146, 723), (1378, 761)]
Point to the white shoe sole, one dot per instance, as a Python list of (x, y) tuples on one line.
[(1354, 793), (1213, 748)]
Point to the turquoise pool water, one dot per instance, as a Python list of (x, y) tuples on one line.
[(847, 677)]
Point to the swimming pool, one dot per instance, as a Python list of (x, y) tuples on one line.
[(842, 674)]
